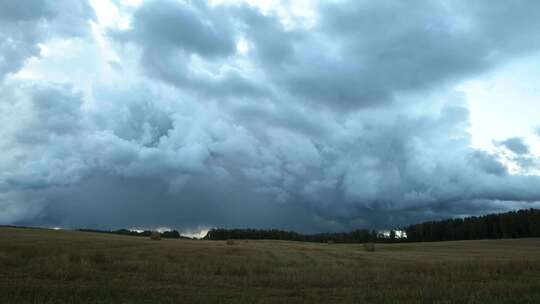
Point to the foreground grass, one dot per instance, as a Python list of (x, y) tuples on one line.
[(43, 266)]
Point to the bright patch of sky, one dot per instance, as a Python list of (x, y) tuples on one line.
[(505, 103)]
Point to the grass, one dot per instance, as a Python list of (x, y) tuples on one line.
[(45, 266)]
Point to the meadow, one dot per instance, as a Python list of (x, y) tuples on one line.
[(46, 266)]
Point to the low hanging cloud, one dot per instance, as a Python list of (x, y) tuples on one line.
[(328, 126)]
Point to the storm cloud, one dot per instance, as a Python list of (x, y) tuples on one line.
[(231, 115)]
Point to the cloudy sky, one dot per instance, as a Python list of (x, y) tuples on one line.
[(304, 115)]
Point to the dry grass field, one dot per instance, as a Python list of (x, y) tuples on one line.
[(45, 266)]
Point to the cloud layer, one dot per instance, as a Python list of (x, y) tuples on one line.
[(228, 115)]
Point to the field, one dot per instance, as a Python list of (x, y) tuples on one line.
[(46, 266)]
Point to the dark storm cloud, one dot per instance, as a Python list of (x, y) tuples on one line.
[(300, 132), (120, 203), (167, 168)]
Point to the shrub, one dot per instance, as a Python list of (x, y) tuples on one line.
[(369, 247)]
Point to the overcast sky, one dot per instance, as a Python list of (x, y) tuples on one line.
[(304, 115)]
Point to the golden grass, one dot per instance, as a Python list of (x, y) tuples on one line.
[(44, 266)]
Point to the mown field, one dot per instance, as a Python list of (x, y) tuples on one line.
[(45, 266)]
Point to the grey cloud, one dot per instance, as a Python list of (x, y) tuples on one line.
[(166, 25), (361, 54), (516, 145), (16, 206), (120, 203), (370, 175), (273, 43), (138, 118), (25, 24), (520, 154), (48, 111), (276, 148), (210, 33), (171, 33), (358, 55), (16, 44), (488, 163), (57, 108), (207, 170), (71, 18), (405, 166), (42, 125), (25, 11)]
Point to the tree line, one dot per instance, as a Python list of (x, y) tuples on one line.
[(514, 224), (172, 234), (355, 236)]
